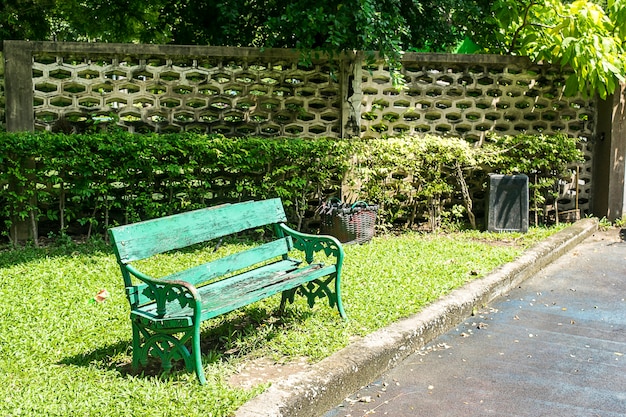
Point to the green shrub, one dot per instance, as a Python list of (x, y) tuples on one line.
[(440, 180), (85, 183), (98, 180)]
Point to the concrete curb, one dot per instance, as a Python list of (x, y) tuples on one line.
[(312, 393)]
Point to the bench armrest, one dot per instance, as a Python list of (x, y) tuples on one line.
[(163, 292), (310, 244)]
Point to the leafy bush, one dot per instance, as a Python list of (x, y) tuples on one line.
[(101, 179), (440, 179), (85, 183), (409, 176), (545, 159)]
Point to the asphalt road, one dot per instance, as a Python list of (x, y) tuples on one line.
[(555, 346)]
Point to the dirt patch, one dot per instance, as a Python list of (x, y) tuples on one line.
[(612, 234), (263, 370)]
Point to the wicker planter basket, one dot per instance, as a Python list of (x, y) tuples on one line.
[(350, 223)]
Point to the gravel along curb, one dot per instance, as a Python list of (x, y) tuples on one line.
[(311, 393)]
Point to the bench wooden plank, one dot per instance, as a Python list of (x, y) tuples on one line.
[(220, 268), (235, 262), (160, 323), (276, 268), (144, 239), (254, 277), (230, 294), (248, 294), (247, 282)]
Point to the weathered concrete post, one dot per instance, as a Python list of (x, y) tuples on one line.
[(609, 169), (617, 180), (19, 86), (19, 118), (2, 98)]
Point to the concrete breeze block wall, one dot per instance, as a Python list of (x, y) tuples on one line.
[(247, 91)]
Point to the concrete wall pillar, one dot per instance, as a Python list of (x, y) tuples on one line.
[(20, 118), (350, 78), (18, 86), (609, 169), (617, 183)]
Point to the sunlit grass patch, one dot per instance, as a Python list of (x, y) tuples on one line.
[(63, 354)]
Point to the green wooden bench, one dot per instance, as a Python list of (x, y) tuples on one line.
[(166, 312)]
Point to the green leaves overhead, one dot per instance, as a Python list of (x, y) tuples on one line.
[(24, 19), (581, 37), (585, 37)]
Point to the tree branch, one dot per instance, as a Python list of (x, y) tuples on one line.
[(522, 26)]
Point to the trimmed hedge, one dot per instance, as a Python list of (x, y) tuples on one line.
[(85, 183)]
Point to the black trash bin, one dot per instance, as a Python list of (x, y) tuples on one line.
[(507, 203)]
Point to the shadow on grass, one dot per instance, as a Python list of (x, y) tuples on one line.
[(67, 248), (229, 337), (12, 256)]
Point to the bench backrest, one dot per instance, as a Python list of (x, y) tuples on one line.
[(133, 242)]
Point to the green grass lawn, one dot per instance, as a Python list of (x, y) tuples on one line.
[(62, 354)]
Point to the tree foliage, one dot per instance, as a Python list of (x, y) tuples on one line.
[(581, 35), (109, 21), (25, 19), (388, 26), (586, 36)]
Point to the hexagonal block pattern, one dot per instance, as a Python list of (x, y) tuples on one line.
[(270, 96), (472, 100), (263, 97)]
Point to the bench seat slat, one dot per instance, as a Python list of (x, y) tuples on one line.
[(283, 266), (247, 294), (235, 292), (220, 268), (182, 320), (274, 269)]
